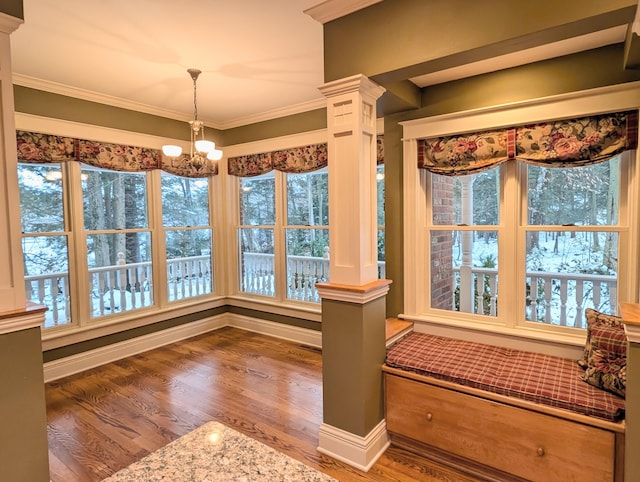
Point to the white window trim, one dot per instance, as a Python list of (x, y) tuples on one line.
[(282, 306), (76, 331), (577, 104)]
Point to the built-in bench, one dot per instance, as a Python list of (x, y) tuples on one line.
[(501, 413)]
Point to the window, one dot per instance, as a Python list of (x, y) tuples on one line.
[(256, 235), (304, 233), (572, 241), (118, 241), (307, 234), (283, 223), (382, 273), (464, 242), (516, 241), (45, 240), (106, 234), (188, 237), (571, 236)]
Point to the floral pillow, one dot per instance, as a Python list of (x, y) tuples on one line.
[(596, 318), (607, 359)]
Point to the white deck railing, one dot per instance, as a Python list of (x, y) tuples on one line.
[(560, 298)]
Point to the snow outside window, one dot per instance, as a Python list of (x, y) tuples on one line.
[(564, 237)]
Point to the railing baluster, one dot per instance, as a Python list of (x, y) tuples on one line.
[(596, 294), (493, 304), (53, 288), (577, 322), (533, 294), (563, 302), (547, 300), (480, 293)]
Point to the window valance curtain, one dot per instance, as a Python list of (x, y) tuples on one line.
[(560, 143), (296, 160), (380, 150), (34, 147)]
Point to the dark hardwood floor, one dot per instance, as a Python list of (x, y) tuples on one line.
[(106, 418)]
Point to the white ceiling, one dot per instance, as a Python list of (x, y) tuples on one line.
[(259, 58), (256, 56)]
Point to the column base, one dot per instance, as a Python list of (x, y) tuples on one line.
[(356, 451)]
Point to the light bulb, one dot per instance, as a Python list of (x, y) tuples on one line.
[(214, 155), (171, 150), (205, 146)]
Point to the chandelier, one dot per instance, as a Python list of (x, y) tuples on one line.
[(200, 148)]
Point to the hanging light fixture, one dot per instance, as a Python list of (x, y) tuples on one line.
[(200, 148)]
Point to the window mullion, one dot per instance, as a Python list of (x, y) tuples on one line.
[(510, 246), (158, 238), (629, 222), (279, 236), (78, 263)]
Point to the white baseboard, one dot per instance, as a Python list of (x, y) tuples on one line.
[(279, 330), (73, 364), (359, 452)]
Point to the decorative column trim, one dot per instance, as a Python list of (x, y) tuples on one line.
[(8, 23), (630, 313), (22, 319), (358, 82), (354, 294), (352, 148), (359, 452)]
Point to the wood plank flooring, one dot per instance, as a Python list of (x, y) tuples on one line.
[(106, 418)]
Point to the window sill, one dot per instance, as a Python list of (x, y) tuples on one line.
[(566, 345), (68, 335)]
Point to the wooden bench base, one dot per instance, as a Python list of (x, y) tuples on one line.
[(498, 437)]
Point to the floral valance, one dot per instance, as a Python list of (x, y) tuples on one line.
[(561, 143), (34, 147), (295, 160)]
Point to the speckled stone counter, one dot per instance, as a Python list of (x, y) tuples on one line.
[(215, 453)]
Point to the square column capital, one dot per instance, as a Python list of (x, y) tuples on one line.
[(357, 83)]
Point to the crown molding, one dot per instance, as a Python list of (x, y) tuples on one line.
[(9, 23), (276, 113), (76, 93), (331, 9)]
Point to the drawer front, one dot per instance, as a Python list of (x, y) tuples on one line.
[(530, 445)]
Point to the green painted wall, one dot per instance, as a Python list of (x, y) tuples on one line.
[(23, 445), (581, 71), (285, 320), (393, 216), (46, 104), (632, 435), (293, 124), (353, 350), (396, 40), (81, 347), (69, 350), (12, 7)]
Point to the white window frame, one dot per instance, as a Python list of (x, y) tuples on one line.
[(510, 322), (278, 305), (82, 327)]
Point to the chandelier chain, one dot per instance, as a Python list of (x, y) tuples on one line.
[(195, 103)]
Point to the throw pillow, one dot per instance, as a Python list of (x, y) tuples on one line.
[(596, 318), (607, 359)]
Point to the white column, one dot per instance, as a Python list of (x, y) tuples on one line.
[(12, 292), (351, 125)]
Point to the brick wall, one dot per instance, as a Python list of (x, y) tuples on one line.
[(442, 244)]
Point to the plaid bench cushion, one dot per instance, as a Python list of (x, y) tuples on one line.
[(538, 378)]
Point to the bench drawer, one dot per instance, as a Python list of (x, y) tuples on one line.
[(528, 444)]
